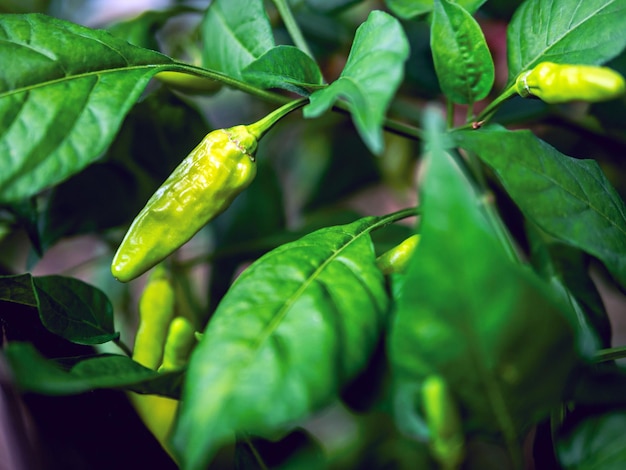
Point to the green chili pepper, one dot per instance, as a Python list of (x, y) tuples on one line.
[(447, 441), (156, 310), (396, 259), (180, 341), (560, 83), (200, 188)]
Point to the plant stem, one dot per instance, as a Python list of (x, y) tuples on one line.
[(610, 354), (491, 109), (449, 114), (292, 26), (259, 128), (226, 80), (123, 346)]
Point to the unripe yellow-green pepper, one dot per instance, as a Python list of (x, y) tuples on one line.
[(397, 258), (156, 310), (447, 442), (180, 341), (200, 188), (560, 83)]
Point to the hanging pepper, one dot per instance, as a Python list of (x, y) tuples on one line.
[(560, 83), (447, 442), (156, 310), (199, 189), (180, 341), (397, 258)]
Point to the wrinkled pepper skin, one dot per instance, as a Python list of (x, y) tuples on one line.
[(204, 184), (561, 83)]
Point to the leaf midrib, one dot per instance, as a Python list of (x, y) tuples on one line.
[(292, 299), (23, 89)]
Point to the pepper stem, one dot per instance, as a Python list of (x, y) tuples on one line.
[(259, 128)]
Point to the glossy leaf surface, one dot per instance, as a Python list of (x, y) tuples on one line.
[(369, 80), (68, 307), (64, 91), (568, 198), (284, 67), (294, 327), (565, 31), (235, 33), (462, 59)]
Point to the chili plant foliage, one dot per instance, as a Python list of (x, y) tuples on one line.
[(280, 328)]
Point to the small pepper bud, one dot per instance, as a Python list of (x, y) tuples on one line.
[(396, 259), (447, 442), (180, 341), (560, 83)]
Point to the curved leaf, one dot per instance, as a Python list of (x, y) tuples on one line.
[(568, 198), (74, 310), (369, 80), (34, 373), (471, 315), (64, 91), (565, 31), (294, 327), (284, 67), (462, 59), (235, 33)]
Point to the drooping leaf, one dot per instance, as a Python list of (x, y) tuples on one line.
[(369, 80), (462, 59), (235, 34), (468, 313), (294, 327), (407, 9), (74, 310), (34, 373), (64, 91), (284, 67), (568, 198), (565, 31)]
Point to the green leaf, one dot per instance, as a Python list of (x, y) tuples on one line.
[(462, 59), (565, 31), (567, 271), (568, 198), (235, 34), (369, 80), (328, 6), (34, 373), (284, 67), (471, 315), (74, 310), (18, 289), (64, 91), (408, 9), (295, 326), (595, 443)]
